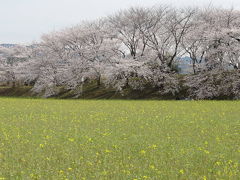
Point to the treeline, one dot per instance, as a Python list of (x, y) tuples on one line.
[(135, 49)]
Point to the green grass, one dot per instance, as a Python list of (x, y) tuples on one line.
[(89, 139)]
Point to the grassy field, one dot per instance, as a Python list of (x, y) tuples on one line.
[(87, 139)]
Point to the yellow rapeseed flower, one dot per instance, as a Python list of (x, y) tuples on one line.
[(181, 171), (61, 171), (107, 151), (152, 166), (154, 146), (206, 151), (71, 139), (41, 145), (142, 152)]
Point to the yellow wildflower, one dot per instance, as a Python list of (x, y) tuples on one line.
[(71, 139), (206, 151), (152, 166), (143, 152), (61, 171), (41, 145), (181, 171), (154, 146), (107, 151)]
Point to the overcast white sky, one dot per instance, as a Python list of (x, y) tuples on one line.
[(23, 21)]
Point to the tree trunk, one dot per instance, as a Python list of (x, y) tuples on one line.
[(194, 66), (99, 81)]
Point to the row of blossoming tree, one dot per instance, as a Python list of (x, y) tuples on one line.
[(135, 49)]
